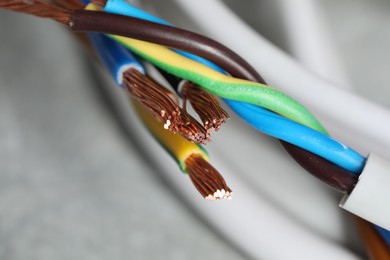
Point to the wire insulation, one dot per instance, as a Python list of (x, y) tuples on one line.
[(329, 173), (299, 135)]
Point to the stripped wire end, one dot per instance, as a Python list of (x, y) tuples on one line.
[(163, 104), (205, 105), (192, 130), (155, 98), (38, 8), (206, 179)]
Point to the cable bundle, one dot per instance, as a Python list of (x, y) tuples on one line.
[(216, 71)]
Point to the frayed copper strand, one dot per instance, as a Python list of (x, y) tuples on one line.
[(163, 104), (206, 179), (205, 105), (38, 8), (192, 130), (154, 98)]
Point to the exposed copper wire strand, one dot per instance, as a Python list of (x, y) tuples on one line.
[(205, 105), (206, 179), (154, 97), (159, 100), (38, 8)]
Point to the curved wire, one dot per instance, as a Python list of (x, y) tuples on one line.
[(222, 85), (326, 171), (122, 7), (176, 145), (115, 57), (297, 134), (211, 80)]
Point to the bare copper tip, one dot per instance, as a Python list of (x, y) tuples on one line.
[(192, 130), (163, 104), (153, 97), (206, 179), (205, 105)]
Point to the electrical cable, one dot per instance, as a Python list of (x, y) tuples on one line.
[(248, 216), (221, 85), (301, 136), (161, 102), (124, 8), (316, 165), (317, 258), (214, 82), (322, 169), (347, 114), (84, 20), (191, 157), (303, 159)]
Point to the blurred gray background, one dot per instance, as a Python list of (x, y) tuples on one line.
[(72, 185)]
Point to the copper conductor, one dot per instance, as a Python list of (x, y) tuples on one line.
[(205, 105), (154, 98), (206, 179), (163, 104), (38, 8)]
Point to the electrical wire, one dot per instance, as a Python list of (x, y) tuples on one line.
[(212, 81), (191, 158), (161, 102), (125, 8), (205, 105), (176, 119), (84, 20), (292, 242), (322, 169), (348, 115), (221, 85), (249, 216), (38, 8), (304, 159), (301, 136)]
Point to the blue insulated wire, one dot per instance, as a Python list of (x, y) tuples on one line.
[(261, 119), (299, 135), (116, 58)]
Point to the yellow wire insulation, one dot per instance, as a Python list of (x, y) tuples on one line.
[(176, 145)]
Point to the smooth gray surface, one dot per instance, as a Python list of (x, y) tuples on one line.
[(72, 186)]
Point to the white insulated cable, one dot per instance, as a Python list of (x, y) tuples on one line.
[(308, 39)]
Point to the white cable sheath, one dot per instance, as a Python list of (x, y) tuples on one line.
[(309, 41), (370, 199), (255, 225), (358, 122)]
